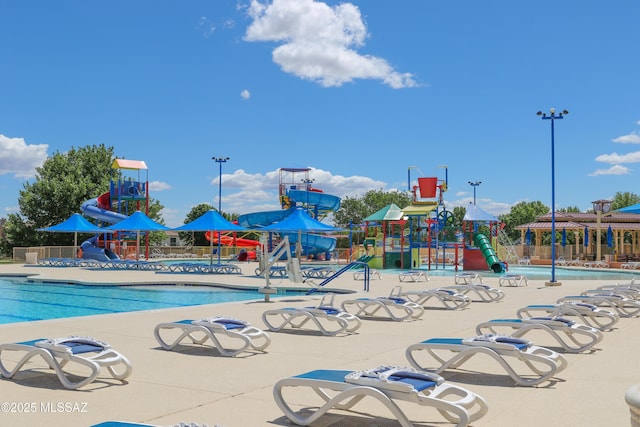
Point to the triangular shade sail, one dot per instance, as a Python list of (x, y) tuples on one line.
[(76, 223), (635, 209), (474, 213), (137, 221), (299, 220), (210, 221), (389, 213)]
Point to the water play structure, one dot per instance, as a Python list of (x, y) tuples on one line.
[(128, 192), (422, 235), (296, 191)]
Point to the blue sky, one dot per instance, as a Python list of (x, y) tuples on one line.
[(358, 91)]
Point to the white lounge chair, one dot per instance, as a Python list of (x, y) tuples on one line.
[(360, 274), (513, 280), (448, 298), (214, 329), (543, 363), (630, 290), (328, 319), (630, 265), (588, 314), (527, 261), (413, 276), (482, 293), (394, 308), (317, 272), (342, 389), (573, 337), (468, 278), (73, 351), (620, 304)]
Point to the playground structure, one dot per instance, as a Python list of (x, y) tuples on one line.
[(128, 192), (295, 191), (421, 234)]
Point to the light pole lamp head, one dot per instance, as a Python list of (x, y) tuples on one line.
[(602, 206)]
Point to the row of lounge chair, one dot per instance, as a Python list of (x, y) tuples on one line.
[(450, 353), (421, 383), (124, 264)]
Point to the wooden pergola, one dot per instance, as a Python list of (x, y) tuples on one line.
[(625, 230)]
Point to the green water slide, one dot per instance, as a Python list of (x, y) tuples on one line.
[(482, 242)]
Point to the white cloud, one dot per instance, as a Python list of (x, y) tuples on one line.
[(245, 94), (20, 159), (159, 186), (613, 170), (616, 159), (244, 192), (206, 26), (632, 138), (319, 42)]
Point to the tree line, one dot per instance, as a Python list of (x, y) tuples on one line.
[(66, 180)]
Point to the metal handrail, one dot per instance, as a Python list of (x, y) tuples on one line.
[(344, 269)]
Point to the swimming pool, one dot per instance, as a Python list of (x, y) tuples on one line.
[(544, 273), (22, 300)]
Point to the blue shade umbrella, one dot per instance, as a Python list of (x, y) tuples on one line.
[(609, 237), (630, 209), (527, 237), (299, 220), (564, 237), (138, 221), (211, 221), (586, 236), (75, 224)]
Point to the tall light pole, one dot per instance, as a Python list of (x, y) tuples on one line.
[(219, 161), (409, 176), (553, 117), (474, 185), (307, 182), (600, 207)]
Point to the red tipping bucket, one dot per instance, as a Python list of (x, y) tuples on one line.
[(428, 187)]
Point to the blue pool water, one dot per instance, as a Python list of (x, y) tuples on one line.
[(544, 273), (22, 300)]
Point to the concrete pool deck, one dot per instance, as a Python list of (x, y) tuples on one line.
[(199, 386)]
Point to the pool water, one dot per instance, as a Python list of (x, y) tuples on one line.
[(544, 273), (22, 300)]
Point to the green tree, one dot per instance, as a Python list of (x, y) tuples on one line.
[(522, 213), (155, 208), (570, 209), (62, 183), (195, 238), (622, 200), (354, 209), (458, 215)]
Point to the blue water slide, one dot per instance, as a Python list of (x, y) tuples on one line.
[(261, 219), (323, 201), (90, 249), (90, 208), (311, 243)]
